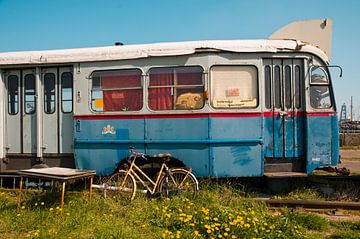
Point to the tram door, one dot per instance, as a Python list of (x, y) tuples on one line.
[(39, 110), (284, 94)]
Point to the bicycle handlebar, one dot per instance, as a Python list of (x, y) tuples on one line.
[(132, 152)]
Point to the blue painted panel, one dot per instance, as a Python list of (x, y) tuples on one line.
[(268, 137), (319, 142), (194, 155), (237, 160), (289, 137), (123, 129), (234, 160), (335, 141), (294, 138), (169, 128), (186, 139), (232, 128), (278, 137), (102, 157), (299, 136)]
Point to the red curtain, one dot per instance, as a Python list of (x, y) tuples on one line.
[(120, 100), (160, 98), (189, 78)]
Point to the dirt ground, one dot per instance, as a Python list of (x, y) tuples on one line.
[(350, 158)]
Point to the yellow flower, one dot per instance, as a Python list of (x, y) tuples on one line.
[(42, 203), (233, 236), (196, 233), (225, 234), (51, 209), (215, 219), (208, 231), (36, 204), (23, 207)]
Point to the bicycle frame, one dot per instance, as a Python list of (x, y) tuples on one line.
[(134, 169)]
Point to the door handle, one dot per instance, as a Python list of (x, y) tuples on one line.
[(282, 113)]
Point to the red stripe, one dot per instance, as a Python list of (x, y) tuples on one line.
[(167, 116), (321, 114), (271, 114), (199, 115)]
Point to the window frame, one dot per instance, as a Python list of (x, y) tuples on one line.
[(16, 103), (321, 84), (72, 92), (24, 95), (235, 65), (174, 87), (55, 94), (113, 89)]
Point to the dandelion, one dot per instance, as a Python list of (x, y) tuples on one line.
[(23, 207), (196, 233), (51, 209), (18, 215), (208, 231), (227, 229), (216, 219), (36, 204), (57, 208), (42, 203), (233, 236), (225, 234)]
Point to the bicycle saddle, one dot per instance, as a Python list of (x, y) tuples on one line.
[(163, 155)]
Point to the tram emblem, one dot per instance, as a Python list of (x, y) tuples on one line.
[(108, 129)]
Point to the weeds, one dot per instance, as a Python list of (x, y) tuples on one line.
[(220, 210)]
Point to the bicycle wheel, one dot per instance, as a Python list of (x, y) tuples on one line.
[(120, 187), (178, 181)]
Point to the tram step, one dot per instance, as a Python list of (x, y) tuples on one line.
[(285, 175), (282, 167)]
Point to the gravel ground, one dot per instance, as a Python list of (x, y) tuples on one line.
[(350, 159)]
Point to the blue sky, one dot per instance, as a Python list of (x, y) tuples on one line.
[(51, 24)]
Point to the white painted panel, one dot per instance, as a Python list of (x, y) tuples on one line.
[(49, 110), (12, 118), (65, 116)]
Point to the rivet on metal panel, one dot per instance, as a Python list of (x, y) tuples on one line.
[(78, 68), (77, 126), (78, 96)]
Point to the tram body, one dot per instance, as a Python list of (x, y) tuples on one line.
[(224, 108)]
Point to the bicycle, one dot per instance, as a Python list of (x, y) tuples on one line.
[(169, 181)]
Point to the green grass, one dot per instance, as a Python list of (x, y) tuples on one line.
[(219, 210)]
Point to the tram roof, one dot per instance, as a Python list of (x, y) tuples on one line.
[(111, 53)]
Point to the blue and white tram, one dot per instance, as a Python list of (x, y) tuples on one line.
[(224, 108)]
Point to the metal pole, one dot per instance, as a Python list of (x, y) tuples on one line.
[(90, 190), (351, 109), (39, 104), (62, 197), (19, 196)]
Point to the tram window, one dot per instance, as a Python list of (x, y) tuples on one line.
[(278, 103), (30, 100), (66, 92), (297, 87), (117, 90), (13, 94), (176, 88), (268, 87), (49, 93), (288, 90), (234, 87), (319, 89)]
